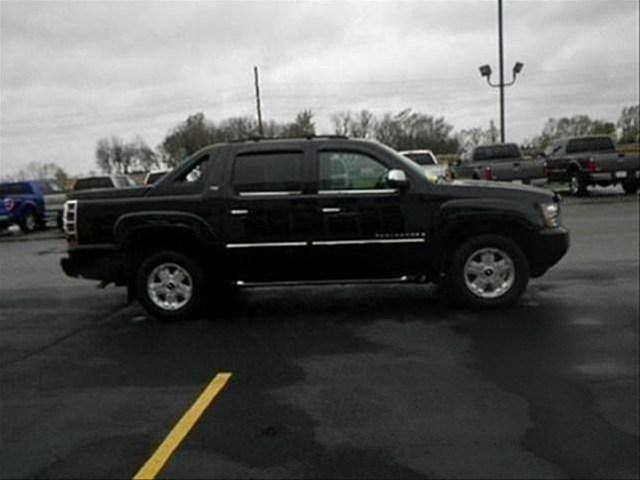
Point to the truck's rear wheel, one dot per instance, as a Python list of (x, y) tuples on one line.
[(488, 271), (29, 221), (170, 285), (577, 184), (630, 186)]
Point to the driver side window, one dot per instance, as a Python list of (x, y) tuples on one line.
[(350, 171)]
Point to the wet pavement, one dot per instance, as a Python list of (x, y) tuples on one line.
[(366, 381)]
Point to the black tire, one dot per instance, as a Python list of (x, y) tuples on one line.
[(630, 187), (577, 184), (195, 277), (458, 277), (29, 221)]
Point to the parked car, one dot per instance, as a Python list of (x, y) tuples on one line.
[(54, 198), (428, 161), (502, 162), (273, 210), (588, 161), (153, 177), (104, 181), (22, 204)]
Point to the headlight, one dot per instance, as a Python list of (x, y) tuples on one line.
[(551, 214)]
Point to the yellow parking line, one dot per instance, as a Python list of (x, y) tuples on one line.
[(155, 463)]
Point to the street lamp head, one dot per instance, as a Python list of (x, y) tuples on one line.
[(485, 71), (517, 68)]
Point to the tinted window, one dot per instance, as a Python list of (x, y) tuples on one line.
[(492, 152), (350, 171), (595, 144), (268, 172), (92, 182), (421, 158), (15, 189)]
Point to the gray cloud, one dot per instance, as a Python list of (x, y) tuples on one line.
[(71, 72)]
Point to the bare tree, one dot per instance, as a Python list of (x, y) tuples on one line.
[(186, 138), (39, 171), (302, 126), (342, 122), (575, 126), (629, 124)]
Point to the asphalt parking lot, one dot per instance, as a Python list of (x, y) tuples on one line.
[(366, 381)]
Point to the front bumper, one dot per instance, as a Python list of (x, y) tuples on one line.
[(98, 262), (548, 247)]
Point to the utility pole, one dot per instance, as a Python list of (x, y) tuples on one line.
[(485, 71), (501, 59), (257, 82)]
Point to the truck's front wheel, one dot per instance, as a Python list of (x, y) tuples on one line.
[(170, 285), (488, 271)]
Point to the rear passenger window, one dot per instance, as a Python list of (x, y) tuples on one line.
[(268, 172)]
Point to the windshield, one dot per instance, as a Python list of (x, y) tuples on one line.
[(594, 144), (421, 158), (50, 187), (509, 150)]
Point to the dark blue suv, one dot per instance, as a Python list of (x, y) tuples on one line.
[(22, 203)]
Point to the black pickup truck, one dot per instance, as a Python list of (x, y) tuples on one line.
[(319, 208), (586, 161)]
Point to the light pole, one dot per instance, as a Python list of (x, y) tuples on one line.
[(485, 71)]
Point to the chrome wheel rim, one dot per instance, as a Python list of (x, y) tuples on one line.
[(169, 286), (30, 222), (574, 184), (489, 273)]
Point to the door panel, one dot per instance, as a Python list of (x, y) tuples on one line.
[(365, 229), (269, 220)]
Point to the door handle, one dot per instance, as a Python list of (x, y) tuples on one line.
[(331, 210), (240, 211)]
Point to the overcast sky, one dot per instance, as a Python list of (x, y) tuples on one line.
[(72, 72)]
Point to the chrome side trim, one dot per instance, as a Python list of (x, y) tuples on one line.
[(358, 192), (266, 244), (240, 211), (366, 242), (271, 194)]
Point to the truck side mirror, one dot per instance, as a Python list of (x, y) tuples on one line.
[(397, 179)]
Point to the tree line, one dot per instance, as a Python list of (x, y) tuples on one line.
[(403, 130)]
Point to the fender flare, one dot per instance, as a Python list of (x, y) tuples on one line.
[(137, 222), (476, 214)]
